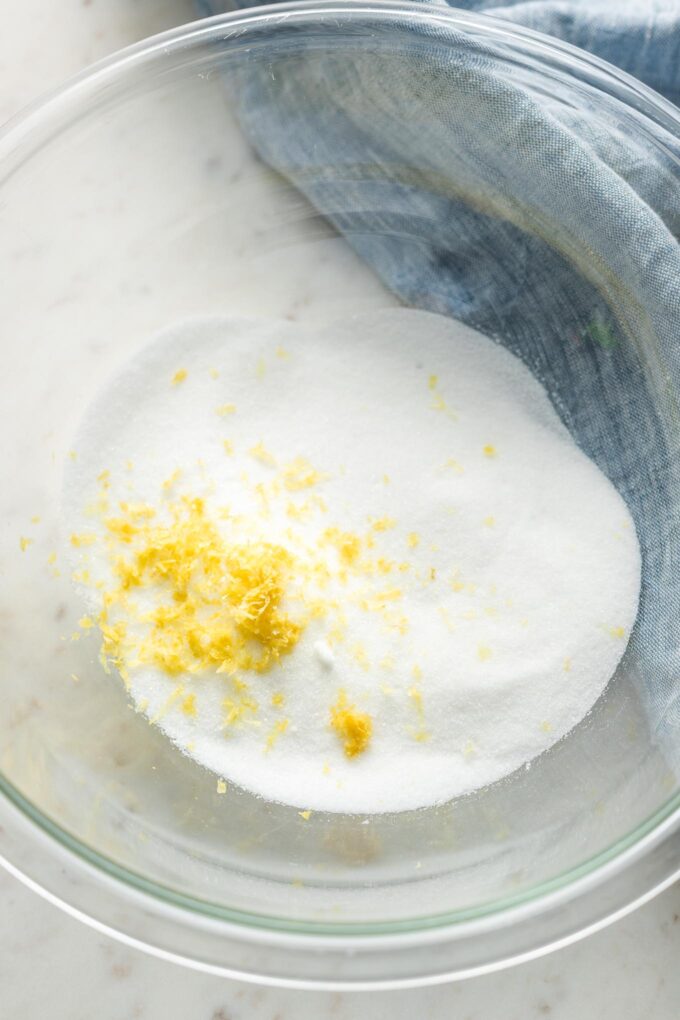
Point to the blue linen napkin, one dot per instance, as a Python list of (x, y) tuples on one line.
[(542, 223)]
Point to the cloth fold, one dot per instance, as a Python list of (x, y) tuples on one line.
[(544, 216), (641, 37)]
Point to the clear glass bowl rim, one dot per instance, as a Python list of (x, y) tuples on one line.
[(648, 858)]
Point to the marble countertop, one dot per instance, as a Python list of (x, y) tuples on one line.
[(51, 965)]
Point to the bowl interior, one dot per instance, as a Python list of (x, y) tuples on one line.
[(136, 199)]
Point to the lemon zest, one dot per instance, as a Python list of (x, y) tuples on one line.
[(260, 453), (354, 728), (299, 474)]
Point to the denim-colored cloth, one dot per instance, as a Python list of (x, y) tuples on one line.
[(544, 224)]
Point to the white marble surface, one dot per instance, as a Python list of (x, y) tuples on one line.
[(53, 966)]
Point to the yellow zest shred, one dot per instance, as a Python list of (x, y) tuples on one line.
[(237, 708), (438, 401), (171, 479), (489, 451), (225, 409), (86, 538), (299, 474), (24, 543), (354, 728), (358, 653), (347, 544), (277, 729), (175, 696), (137, 511), (382, 523), (179, 376), (189, 705), (298, 511), (376, 603), (260, 453), (337, 634), (416, 696)]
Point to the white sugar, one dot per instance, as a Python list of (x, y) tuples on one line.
[(514, 567)]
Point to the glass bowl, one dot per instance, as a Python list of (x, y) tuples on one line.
[(129, 199)]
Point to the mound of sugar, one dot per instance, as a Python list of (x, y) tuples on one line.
[(462, 579)]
